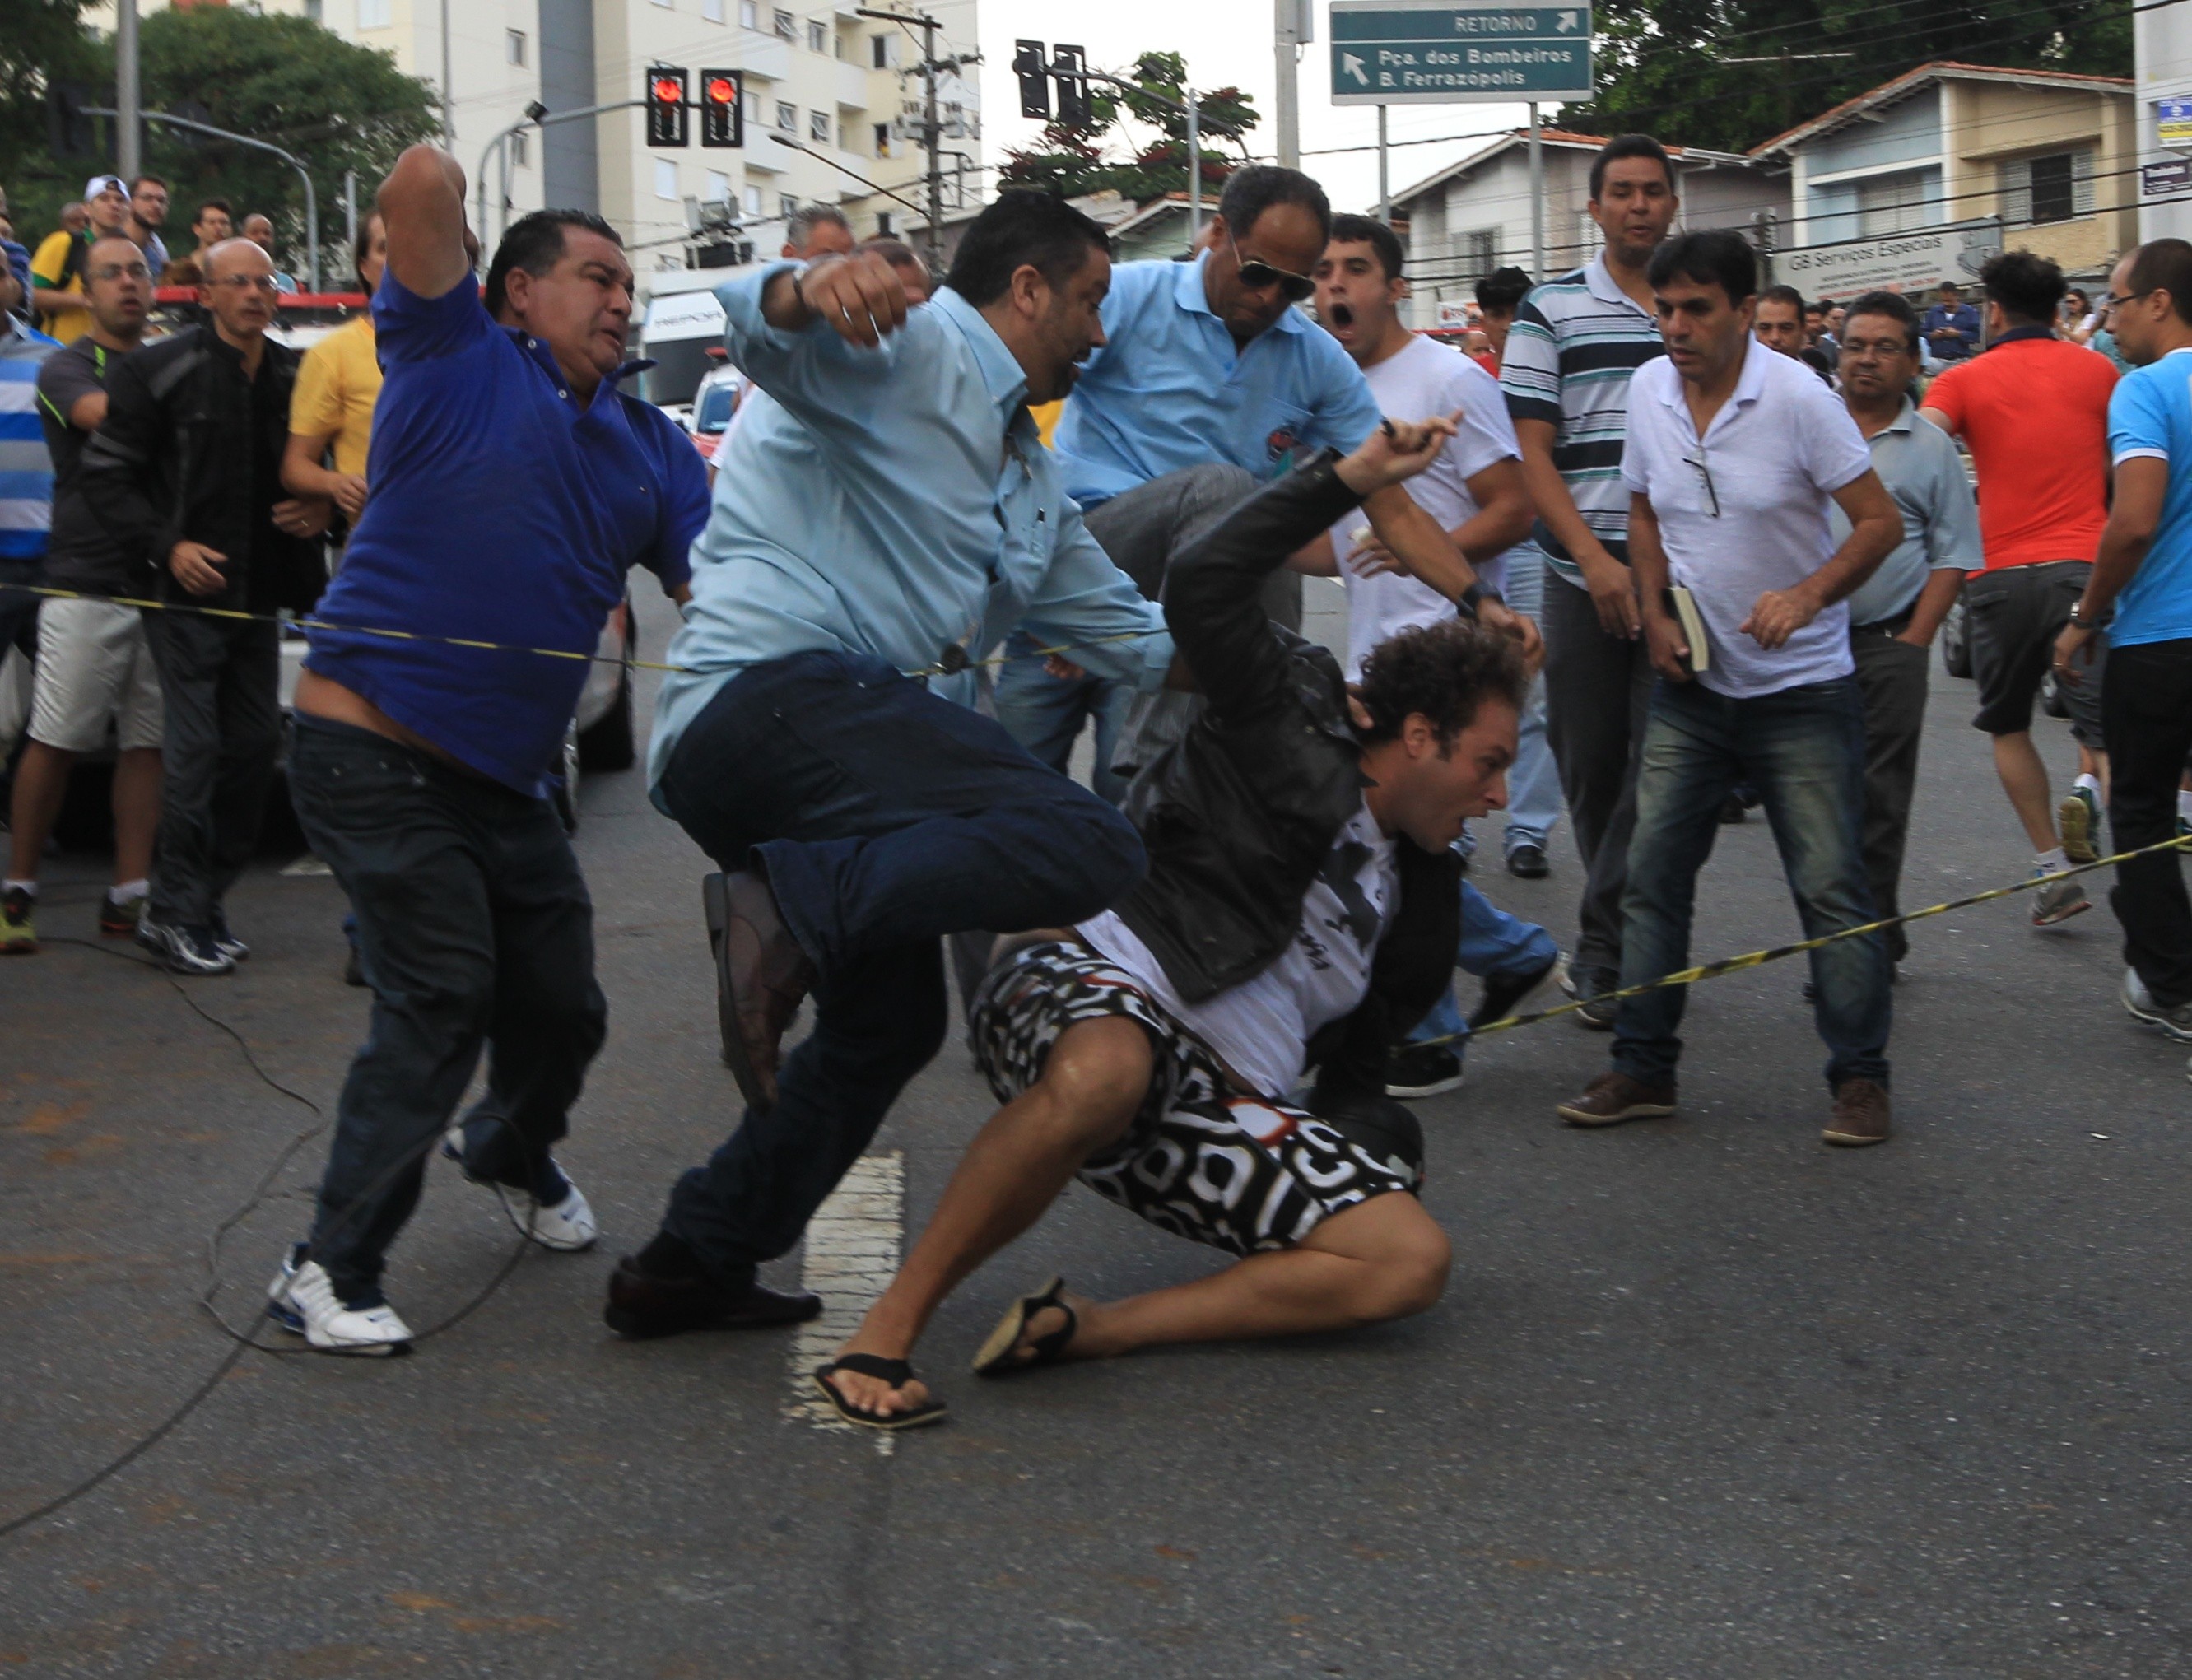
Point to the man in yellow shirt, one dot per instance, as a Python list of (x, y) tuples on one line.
[(57, 270), (337, 385)]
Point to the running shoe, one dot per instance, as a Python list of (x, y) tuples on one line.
[(19, 926), (224, 940), (2139, 1003), (560, 1218), (1527, 861), (2079, 818), (1585, 984), (119, 920), (184, 951), (2058, 901), (1422, 1071), (302, 1300)]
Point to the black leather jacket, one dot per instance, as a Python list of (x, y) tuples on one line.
[(1241, 815), (189, 450)]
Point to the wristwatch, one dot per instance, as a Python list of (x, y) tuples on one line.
[(2078, 616), (1469, 597)]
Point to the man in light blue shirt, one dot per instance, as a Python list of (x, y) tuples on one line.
[(1209, 381), (1894, 614), (2144, 572), (890, 511)]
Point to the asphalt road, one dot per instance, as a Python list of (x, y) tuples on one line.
[(1704, 1398)]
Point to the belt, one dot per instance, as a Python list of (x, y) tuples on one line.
[(1894, 626)]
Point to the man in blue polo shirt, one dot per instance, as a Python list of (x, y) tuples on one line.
[(2145, 573), (514, 483), (1207, 381)]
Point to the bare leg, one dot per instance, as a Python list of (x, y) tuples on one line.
[(2091, 761), (2024, 779), (136, 812), (40, 780), (1382, 1258), (1092, 1082)]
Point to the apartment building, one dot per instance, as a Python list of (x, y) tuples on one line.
[(848, 89)]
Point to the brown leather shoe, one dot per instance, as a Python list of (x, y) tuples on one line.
[(1612, 1098), (1860, 1116), (762, 975), (642, 1306)]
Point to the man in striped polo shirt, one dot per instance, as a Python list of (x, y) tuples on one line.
[(1575, 342), (27, 475)]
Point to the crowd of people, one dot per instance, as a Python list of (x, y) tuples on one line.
[(1667, 546)]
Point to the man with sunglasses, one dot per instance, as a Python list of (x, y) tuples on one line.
[(184, 473), (1208, 383), (1733, 455)]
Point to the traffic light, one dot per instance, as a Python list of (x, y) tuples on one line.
[(723, 117), (1074, 109), (665, 106), (1035, 79)]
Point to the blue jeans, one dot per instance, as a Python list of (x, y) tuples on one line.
[(1492, 942), (475, 930), (1044, 713), (1803, 750), (886, 819), (1533, 782)]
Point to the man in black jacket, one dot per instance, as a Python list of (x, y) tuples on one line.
[(184, 473), (1300, 909)]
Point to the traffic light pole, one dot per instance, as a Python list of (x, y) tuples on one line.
[(311, 198), (537, 116)]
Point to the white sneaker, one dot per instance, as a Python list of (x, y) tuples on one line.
[(568, 1227), (2139, 1004), (302, 1300)]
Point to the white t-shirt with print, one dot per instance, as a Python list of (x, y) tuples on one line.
[(1423, 379), (1261, 1028)]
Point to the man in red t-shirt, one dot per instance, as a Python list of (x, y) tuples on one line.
[(2034, 412)]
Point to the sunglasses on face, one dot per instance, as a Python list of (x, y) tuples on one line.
[(1258, 276)]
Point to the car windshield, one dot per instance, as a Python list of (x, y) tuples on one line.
[(711, 413)]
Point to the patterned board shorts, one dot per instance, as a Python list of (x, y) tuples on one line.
[(1238, 1173)]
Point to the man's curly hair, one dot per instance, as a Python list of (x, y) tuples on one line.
[(1445, 671)]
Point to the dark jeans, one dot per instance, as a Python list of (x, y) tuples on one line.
[(886, 819), (1803, 750), (1597, 689), (2146, 721), (219, 689), (475, 929), (1891, 676)]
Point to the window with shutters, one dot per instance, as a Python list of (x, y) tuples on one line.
[(2055, 186), (1894, 203), (1479, 251)]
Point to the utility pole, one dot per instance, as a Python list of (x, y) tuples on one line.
[(1536, 197), (1290, 24), (932, 137), (449, 103), (1384, 191), (129, 128)]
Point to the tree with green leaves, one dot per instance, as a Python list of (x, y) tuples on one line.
[(1076, 160), (1730, 74), (284, 80)]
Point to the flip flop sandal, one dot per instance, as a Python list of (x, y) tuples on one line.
[(996, 1359), (895, 1372)]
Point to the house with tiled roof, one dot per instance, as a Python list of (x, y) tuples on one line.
[(2050, 155), (1473, 216)]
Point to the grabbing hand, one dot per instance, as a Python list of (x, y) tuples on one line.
[(197, 568), (349, 495), (1396, 450), (1370, 558), (1499, 616), (860, 296), (303, 516), (2073, 648)]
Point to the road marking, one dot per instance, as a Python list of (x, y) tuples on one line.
[(852, 1254)]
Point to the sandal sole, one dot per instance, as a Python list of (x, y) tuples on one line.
[(990, 1361)]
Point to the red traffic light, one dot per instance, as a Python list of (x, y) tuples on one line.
[(720, 90), (667, 91)]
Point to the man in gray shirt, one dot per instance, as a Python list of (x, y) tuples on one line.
[(1894, 614)]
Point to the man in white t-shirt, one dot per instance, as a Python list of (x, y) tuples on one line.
[(1733, 456), (1300, 899), (1475, 492)]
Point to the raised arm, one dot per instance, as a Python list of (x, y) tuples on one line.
[(422, 205)]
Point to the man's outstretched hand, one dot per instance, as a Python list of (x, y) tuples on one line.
[(860, 296), (1397, 450)]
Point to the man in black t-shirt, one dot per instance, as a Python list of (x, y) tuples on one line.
[(93, 665)]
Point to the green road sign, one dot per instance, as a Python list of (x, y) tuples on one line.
[(1436, 51)]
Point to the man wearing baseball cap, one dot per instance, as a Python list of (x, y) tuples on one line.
[(57, 270)]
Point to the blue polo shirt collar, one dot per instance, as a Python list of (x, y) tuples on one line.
[(1001, 371), (545, 359), (1189, 293)]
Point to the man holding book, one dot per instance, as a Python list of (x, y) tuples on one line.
[(1733, 457)]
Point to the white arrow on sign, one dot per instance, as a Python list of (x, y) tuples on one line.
[(1353, 67), (1567, 22)]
